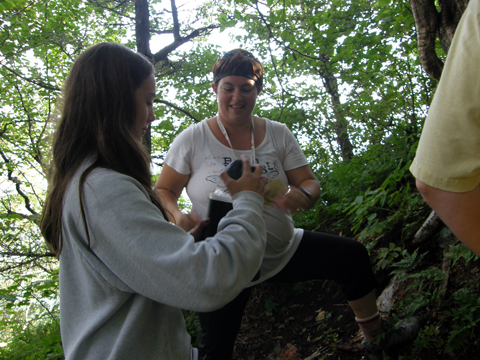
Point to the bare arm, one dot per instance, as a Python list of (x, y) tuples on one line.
[(459, 211), (169, 187), (171, 183), (295, 199)]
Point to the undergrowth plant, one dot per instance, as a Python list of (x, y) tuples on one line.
[(423, 285), (29, 317), (270, 305), (463, 317), (464, 313), (460, 251), (371, 196), (327, 335), (384, 257), (34, 341), (459, 318), (192, 324)]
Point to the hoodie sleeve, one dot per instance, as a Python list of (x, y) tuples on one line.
[(137, 250)]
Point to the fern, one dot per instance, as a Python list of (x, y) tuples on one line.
[(419, 296), (461, 251), (433, 273), (408, 263), (464, 318)]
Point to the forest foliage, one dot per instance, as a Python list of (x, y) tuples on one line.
[(345, 76)]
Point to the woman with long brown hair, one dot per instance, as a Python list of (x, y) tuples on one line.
[(125, 271)]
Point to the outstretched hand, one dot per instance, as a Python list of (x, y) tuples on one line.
[(187, 221), (249, 181), (193, 224)]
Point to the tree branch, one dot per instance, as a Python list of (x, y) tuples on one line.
[(17, 185), (18, 12), (28, 254), (176, 24), (121, 5), (37, 83), (178, 109), (428, 228), (35, 217), (162, 54)]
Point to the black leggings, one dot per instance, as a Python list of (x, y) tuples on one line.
[(318, 257)]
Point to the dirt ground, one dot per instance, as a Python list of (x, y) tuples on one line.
[(294, 325), (312, 320)]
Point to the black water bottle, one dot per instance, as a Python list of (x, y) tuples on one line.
[(219, 204)]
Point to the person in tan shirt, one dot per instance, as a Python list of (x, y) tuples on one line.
[(447, 162)]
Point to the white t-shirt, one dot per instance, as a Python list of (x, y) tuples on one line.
[(198, 153)]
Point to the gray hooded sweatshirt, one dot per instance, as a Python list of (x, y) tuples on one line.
[(121, 297)]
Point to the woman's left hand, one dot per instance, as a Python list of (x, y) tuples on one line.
[(198, 229), (292, 199)]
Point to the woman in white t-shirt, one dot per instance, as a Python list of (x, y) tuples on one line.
[(201, 152)]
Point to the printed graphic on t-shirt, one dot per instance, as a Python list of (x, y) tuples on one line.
[(271, 170)]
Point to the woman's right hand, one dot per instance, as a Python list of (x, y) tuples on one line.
[(187, 221), (249, 181)]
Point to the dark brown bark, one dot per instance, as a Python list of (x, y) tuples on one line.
[(340, 125), (142, 27), (450, 14), (432, 24), (427, 20), (142, 35)]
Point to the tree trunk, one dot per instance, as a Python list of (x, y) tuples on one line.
[(432, 24), (142, 35), (340, 125), (142, 27)]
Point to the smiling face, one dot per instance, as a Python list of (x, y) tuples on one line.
[(144, 97), (236, 97)]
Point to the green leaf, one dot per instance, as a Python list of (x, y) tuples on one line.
[(222, 18), (231, 23), (9, 4), (371, 217), (383, 3)]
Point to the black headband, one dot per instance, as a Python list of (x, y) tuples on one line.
[(237, 73)]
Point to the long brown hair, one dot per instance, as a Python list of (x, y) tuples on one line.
[(97, 119)]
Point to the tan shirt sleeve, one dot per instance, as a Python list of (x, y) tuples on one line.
[(448, 154)]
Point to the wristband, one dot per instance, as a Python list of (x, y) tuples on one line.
[(305, 192)]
